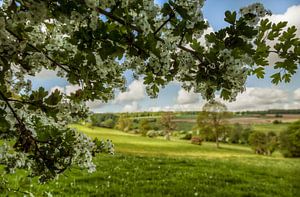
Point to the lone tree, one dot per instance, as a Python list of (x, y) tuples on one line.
[(82, 40), (144, 126), (213, 118), (167, 123), (124, 123)]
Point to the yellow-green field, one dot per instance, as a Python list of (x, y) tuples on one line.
[(155, 167)]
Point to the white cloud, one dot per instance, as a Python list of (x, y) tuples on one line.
[(67, 89), (297, 94), (255, 98), (133, 107), (95, 104), (185, 97), (46, 74), (178, 107), (135, 92)]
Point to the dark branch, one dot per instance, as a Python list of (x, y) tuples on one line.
[(119, 20), (5, 99), (170, 17)]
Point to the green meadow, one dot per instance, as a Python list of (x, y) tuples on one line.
[(145, 166)]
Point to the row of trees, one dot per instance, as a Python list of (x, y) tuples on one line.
[(213, 126)]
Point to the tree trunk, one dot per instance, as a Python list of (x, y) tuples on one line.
[(217, 138), (168, 136)]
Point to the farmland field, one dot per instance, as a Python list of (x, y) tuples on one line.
[(154, 167)]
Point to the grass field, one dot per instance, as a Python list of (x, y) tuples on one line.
[(277, 128), (154, 167)]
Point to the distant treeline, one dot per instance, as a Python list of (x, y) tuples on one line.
[(272, 111), (159, 113), (194, 113)]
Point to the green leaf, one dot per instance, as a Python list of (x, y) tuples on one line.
[(276, 78), (230, 17), (260, 72), (54, 98), (166, 10)]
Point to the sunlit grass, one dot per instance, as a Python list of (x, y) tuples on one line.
[(277, 128), (155, 167)]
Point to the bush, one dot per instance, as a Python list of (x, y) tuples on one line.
[(124, 124), (186, 136), (99, 120), (161, 133), (263, 143), (258, 141), (144, 126), (277, 122), (245, 135), (235, 134), (290, 141), (272, 142), (196, 140), (152, 134), (109, 123), (206, 133)]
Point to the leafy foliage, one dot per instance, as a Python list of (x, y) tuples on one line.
[(212, 120), (124, 123), (290, 140), (167, 124), (83, 41), (263, 143), (144, 126), (239, 134), (104, 120)]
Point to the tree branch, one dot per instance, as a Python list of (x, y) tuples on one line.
[(122, 22), (115, 18), (170, 17), (5, 99)]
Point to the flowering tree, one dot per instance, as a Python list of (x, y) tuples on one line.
[(84, 39)]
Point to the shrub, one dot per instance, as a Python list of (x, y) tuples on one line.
[(258, 142), (99, 120), (272, 142), (144, 126), (161, 133), (186, 136), (109, 123), (277, 122), (152, 134), (245, 135), (235, 134), (124, 124), (196, 140), (263, 143), (290, 141)]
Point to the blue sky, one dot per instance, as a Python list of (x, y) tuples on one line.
[(260, 93)]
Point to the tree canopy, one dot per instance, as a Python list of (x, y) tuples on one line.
[(213, 119), (91, 43)]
